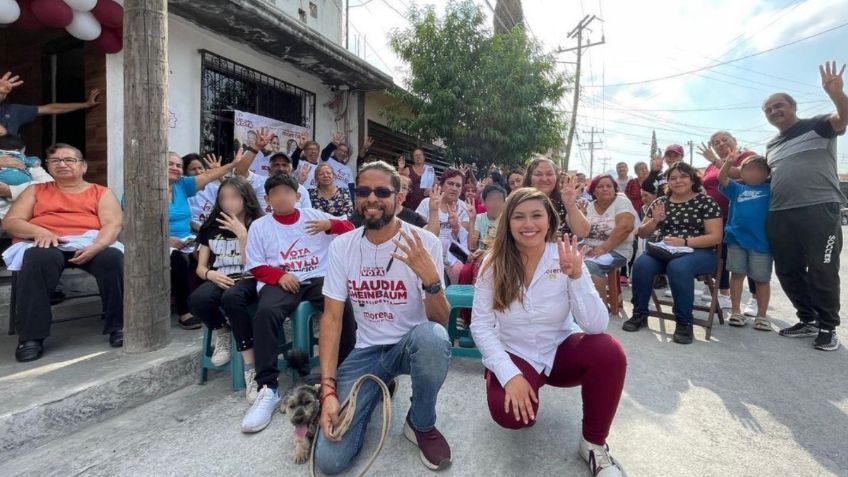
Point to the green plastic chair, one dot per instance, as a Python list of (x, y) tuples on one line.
[(303, 339), (460, 297)]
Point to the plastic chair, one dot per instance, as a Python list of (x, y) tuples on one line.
[(460, 297)]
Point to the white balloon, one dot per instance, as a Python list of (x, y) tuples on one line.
[(81, 5), (9, 11), (84, 26)]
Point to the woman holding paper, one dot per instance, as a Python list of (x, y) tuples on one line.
[(690, 226), (422, 175), (70, 223), (612, 220)]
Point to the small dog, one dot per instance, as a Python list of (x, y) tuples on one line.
[(303, 405)]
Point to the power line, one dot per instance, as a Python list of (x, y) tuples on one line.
[(721, 63)]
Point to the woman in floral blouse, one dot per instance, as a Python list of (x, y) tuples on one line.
[(684, 218), (327, 197)]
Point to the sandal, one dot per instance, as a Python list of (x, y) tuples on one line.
[(737, 320), (192, 323), (762, 324)]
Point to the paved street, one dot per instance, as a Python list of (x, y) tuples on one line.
[(747, 403)]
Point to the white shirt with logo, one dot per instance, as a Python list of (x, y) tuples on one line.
[(303, 203), (289, 247), (387, 300), (533, 330)]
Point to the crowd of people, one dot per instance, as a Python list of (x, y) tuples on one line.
[(374, 249)]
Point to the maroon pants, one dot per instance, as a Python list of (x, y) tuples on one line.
[(596, 363)]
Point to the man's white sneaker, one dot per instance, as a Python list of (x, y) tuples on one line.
[(251, 389), (259, 415), (751, 308), (223, 348), (601, 464)]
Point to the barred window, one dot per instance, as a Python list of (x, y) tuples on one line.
[(227, 86)]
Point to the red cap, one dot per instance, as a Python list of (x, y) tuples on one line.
[(677, 148)]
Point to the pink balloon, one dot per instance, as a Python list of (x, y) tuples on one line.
[(109, 41), (109, 13), (27, 20), (52, 13)]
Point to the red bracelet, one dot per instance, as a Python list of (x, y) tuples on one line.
[(331, 393)]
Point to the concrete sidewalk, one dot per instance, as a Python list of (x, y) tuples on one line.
[(745, 403)]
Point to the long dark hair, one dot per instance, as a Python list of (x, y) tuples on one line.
[(252, 210)]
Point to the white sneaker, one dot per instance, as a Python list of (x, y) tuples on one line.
[(724, 302), (259, 415), (751, 308), (601, 464), (223, 348), (667, 293), (251, 389)]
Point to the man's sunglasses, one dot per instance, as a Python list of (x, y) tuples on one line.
[(380, 192)]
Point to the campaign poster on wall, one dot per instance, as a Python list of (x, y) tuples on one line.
[(284, 136)]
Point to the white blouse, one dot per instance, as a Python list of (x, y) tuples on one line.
[(534, 330)]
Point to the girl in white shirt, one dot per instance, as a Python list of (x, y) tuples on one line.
[(529, 339)]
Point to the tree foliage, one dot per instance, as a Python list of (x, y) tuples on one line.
[(489, 97)]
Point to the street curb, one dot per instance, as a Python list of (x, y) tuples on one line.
[(24, 430)]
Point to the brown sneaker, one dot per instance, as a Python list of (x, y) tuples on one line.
[(434, 449)]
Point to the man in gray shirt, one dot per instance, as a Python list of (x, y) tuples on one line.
[(803, 225)]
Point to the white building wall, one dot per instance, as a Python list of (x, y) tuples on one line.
[(184, 42), (329, 19)]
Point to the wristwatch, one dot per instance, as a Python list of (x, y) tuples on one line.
[(432, 289), (252, 149)]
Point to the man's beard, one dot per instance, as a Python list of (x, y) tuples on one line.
[(377, 222)]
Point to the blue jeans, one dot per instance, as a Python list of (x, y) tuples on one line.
[(423, 354), (681, 273)]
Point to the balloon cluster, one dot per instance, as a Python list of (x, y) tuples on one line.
[(100, 21)]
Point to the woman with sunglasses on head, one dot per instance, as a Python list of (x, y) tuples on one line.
[(537, 319)]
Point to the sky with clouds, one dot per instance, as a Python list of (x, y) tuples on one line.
[(652, 39)]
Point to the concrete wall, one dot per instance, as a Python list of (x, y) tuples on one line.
[(185, 41), (329, 21)]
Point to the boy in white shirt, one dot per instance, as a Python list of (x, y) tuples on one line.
[(287, 254), (392, 272)]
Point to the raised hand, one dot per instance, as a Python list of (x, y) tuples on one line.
[(338, 138), (369, 141), (263, 138), (436, 197), (471, 207), (658, 210), (453, 221), (571, 257), (708, 153), (8, 82), (302, 140), (413, 253), (211, 161), (832, 82), (303, 174), (657, 162), (233, 224), (93, 97), (568, 190)]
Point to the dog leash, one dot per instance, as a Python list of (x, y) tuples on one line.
[(346, 418)]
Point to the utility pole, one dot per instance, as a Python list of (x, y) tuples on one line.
[(691, 151), (147, 281), (578, 33), (591, 144)]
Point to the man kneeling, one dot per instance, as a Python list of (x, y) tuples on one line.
[(387, 269)]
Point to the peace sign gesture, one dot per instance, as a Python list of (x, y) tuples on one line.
[(832, 82), (416, 257), (571, 257)]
